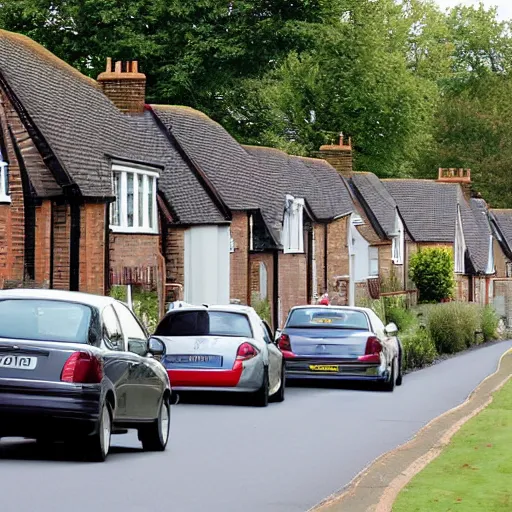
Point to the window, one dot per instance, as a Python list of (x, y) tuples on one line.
[(131, 327), (48, 320), (4, 180), (263, 281), (292, 236), (112, 334), (509, 269), (373, 255), (135, 206), (459, 246), (397, 246), (328, 318)]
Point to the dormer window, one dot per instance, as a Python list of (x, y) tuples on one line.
[(135, 207), (4, 181), (292, 236)]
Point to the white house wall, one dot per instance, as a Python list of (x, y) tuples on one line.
[(207, 250)]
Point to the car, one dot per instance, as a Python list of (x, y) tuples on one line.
[(77, 368), (341, 342), (222, 348)]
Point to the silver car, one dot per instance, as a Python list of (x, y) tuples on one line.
[(222, 348), (339, 342)]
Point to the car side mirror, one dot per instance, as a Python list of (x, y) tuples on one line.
[(156, 347), (391, 329), (139, 347), (277, 335)]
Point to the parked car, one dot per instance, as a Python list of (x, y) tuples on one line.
[(222, 348), (339, 342), (78, 368)]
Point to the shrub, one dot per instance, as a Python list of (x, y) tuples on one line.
[(432, 273), (397, 312), (489, 323), (145, 304), (418, 349), (262, 307), (452, 326)]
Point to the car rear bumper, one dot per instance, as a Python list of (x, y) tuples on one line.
[(29, 408), (304, 368)]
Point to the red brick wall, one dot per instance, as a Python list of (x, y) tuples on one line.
[(42, 255), (92, 248), (175, 255), (337, 251), (239, 261), (133, 250), (292, 282), (500, 261), (61, 244)]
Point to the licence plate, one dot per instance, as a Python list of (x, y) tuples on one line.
[(18, 362), (324, 367), (195, 360)]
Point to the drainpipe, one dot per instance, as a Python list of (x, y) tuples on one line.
[(314, 295), (325, 258)]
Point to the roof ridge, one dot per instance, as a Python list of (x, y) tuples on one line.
[(44, 53)]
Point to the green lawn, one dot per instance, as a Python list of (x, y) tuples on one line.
[(474, 473)]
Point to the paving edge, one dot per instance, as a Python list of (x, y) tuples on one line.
[(376, 487)]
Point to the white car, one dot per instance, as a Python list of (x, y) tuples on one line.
[(222, 348)]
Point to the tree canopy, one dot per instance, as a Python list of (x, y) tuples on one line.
[(416, 87)]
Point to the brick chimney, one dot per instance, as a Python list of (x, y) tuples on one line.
[(124, 86), (339, 155), (456, 175)]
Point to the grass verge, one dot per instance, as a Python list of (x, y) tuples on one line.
[(474, 473)]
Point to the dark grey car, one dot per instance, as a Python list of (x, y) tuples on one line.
[(78, 368)]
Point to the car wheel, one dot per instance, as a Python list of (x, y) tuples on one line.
[(400, 376), (154, 437), (261, 396), (279, 395), (97, 446), (389, 386)]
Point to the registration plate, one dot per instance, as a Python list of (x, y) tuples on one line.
[(324, 367), (18, 362), (195, 360)]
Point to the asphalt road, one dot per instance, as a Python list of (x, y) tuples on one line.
[(227, 457)]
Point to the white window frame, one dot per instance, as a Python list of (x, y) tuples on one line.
[(149, 183), (459, 246), (373, 255), (5, 196), (397, 242), (292, 235)]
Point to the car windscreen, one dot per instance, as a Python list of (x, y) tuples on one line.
[(204, 323), (45, 320), (328, 318)]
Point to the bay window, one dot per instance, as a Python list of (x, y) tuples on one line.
[(4, 181), (134, 209)]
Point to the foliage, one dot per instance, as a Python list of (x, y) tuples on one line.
[(418, 349), (489, 323), (432, 272), (145, 304), (473, 471), (262, 307), (398, 313), (453, 326)]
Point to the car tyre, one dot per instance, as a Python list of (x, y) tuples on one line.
[(97, 446), (154, 437), (389, 386), (279, 395), (261, 396), (400, 376)]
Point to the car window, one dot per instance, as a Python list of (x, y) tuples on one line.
[(266, 333), (328, 318), (205, 323), (112, 333), (48, 320), (378, 326), (129, 324)]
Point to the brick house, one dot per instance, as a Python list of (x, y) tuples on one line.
[(442, 213), (92, 189), (270, 194), (501, 223)]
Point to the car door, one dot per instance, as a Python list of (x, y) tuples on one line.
[(117, 360), (388, 343), (146, 385), (275, 356)]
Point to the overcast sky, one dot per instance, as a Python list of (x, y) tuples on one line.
[(504, 6)]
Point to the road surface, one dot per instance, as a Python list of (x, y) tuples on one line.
[(226, 457)]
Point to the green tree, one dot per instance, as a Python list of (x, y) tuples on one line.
[(432, 272)]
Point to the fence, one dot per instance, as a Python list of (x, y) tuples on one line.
[(502, 299)]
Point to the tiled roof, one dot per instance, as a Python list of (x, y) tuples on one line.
[(379, 201), (503, 219), (82, 126), (428, 208)]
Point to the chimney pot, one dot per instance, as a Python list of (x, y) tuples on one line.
[(118, 67), (109, 65)]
